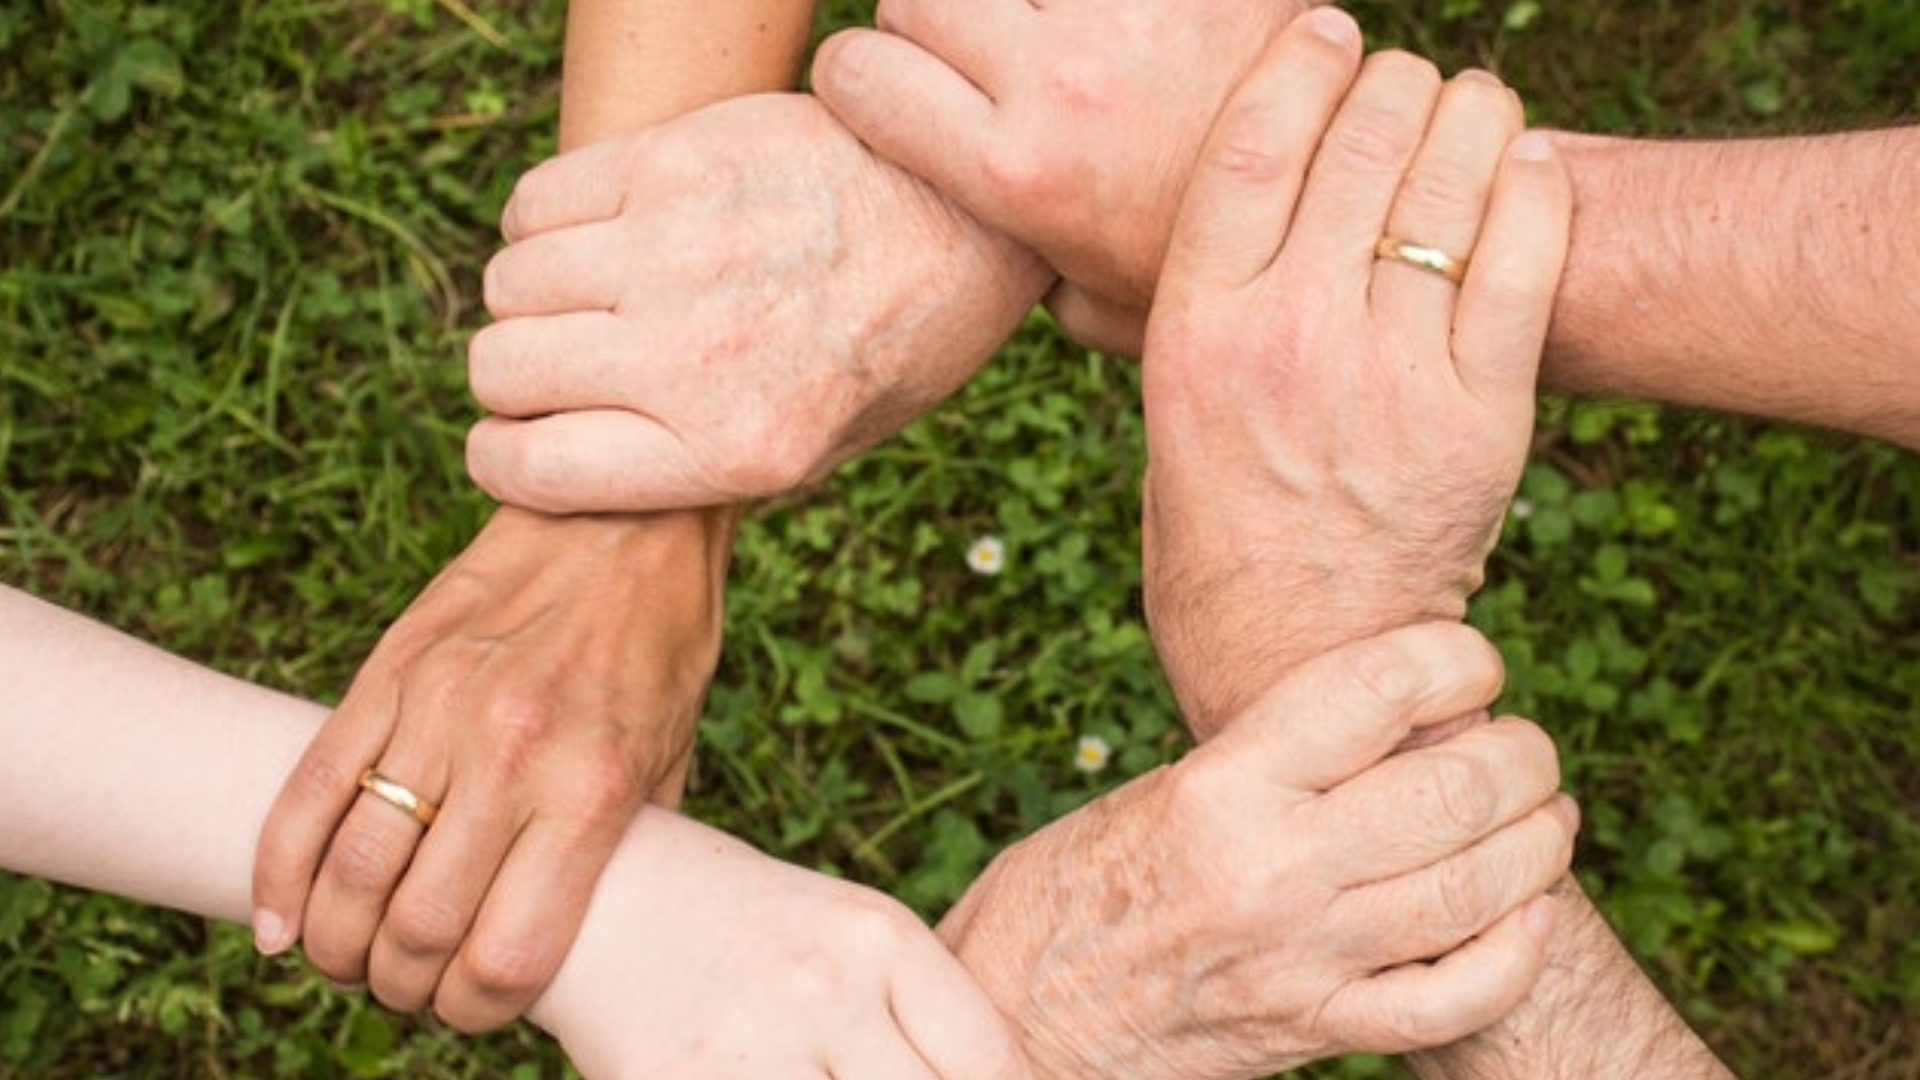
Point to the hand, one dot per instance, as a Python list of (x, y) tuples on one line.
[(539, 690), (703, 959), (723, 308), (1334, 437), (1071, 125), (1292, 889)]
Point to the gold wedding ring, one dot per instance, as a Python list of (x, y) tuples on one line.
[(396, 794), (1421, 257)]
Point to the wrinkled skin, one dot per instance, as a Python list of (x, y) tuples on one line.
[(1289, 891), (722, 308), (1072, 126), (540, 689)]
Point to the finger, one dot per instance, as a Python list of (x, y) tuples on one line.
[(911, 108), (316, 797), (1425, 1005), (526, 924), (1417, 808), (594, 461), (1506, 302), (579, 268), (366, 860), (950, 1021), (979, 40), (1096, 323), (1350, 189), (1241, 198), (436, 902), (1442, 201), (581, 186), (1436, 909), (1342, 711), (536, 365)]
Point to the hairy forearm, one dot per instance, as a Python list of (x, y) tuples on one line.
[(1594, 1015), (1771, 277)]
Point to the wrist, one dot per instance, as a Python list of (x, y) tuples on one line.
[(1594, 1015)]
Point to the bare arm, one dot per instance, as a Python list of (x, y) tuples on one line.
[(586, 642), (1772, 277), (1594, 1015), (133, 771), (633, 63)]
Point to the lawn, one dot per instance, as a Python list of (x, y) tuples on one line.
[(239, 256)]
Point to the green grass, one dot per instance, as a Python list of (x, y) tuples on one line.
[(239, 249)]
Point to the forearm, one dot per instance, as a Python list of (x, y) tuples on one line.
[(1771, 277), (633, 63), (1594, 1015), (132, 771), (629, 64)]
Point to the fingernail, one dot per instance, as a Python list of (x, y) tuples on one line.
[(270, 933), (1334, 25), (1532, 146), (1540, 917)]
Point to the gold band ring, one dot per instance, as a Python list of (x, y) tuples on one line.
[(398, 795), (1421, 257)]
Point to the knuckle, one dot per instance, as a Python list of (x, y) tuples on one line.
[(421, 926), (397, 995), (364, 861), (334, 958), (1510, 280), (1387, 671), (1537, 748), (773, 460), (1444, 188), (519, 718), (506, 970), (320, 777), (1370, 139), (1411, 1024), (870, 930), (602, 794), (1016, 174), (1192, 794), (1462, 903), (1464, 801), (1083, 84), (1246, 150)]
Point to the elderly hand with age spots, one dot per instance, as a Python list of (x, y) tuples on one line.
[(1295, 887), (722, 308), (1334, 437), (1070, 125)]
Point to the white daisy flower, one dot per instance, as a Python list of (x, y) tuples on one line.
[(1091, 754), (987, 555)]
